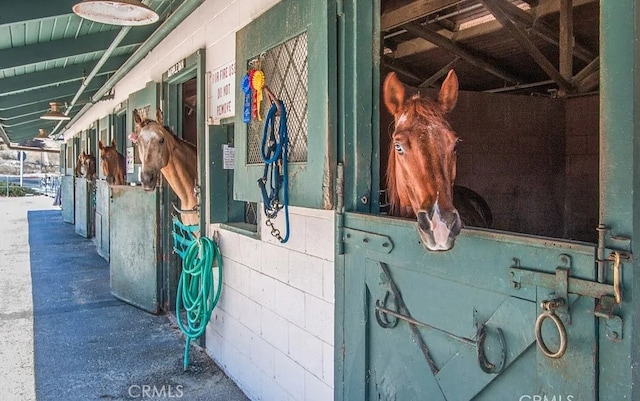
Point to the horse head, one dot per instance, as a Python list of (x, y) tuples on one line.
[(112, 163), (152, 139), (89, 163), (422, 161)]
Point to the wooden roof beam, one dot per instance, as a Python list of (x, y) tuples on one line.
[(529, 46), (449, 45), (443, 71), (413, 11), (541, 29)]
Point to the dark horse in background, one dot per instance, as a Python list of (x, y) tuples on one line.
[(421, 168)]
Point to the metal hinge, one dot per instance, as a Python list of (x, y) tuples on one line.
[(364, 239)]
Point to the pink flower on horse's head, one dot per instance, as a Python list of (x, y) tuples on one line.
[(133, 137)]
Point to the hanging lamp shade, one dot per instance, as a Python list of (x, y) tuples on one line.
[(116, 12), (54, 113), (42, 134)]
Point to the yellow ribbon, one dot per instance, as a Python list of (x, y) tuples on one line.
[(258, 83)]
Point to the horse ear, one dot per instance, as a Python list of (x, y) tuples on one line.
[(113, 142), (448, 96), (100, 145), (394, 93), (137, 120), (159, 116)]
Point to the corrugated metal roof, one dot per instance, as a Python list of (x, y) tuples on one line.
[(46, 51)]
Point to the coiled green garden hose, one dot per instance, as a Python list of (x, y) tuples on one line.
[(198, 292)]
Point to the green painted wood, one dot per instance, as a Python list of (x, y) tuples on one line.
[(452, 292), (359, 100), (84, 207), (135, 265), (310, 183), (222, 207), (103, 195), (104, 134), (68, 188), (619, 177)]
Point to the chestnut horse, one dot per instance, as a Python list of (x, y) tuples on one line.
[(86, 166), (113, 164), (422, 166), (176, 159)]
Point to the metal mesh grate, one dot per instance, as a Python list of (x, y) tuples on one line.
[(285, 70)]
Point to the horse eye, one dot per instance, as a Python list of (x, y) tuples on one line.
[(399, 148), (455, 147), (161, 140)]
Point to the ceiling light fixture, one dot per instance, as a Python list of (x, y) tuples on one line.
[(116, 12), (54, 113), (42, 134)]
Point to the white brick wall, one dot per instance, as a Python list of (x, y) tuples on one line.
[(272, 331)]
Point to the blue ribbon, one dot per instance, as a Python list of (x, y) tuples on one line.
[(246, 88)]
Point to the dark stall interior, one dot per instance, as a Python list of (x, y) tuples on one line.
[(528, 105)]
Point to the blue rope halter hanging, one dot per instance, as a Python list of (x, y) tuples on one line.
[(275, 174)]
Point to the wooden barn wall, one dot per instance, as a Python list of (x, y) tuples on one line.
[(582, 153), (513, 154)]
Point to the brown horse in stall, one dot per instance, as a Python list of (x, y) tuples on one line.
[(422, 166), (163, 152), (86, 166), (113, 164)]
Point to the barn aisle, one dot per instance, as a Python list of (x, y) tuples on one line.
[(87, 345)]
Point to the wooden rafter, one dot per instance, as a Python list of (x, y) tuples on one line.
[(527, 44), (400, 68), (413, 11), (589, 77), (449, 45), (547, 33), (443, 71), (566, 39)]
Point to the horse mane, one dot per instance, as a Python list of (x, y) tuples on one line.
[(392, 189)]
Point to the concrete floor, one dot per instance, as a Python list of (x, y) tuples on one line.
[(63, 336)]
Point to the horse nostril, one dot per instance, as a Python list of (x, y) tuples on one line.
[(456, 224), (423, 221), (147, 177)]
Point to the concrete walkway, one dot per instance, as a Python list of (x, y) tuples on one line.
[(63, 336)]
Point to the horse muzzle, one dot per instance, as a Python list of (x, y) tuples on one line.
[(438, 229), (149, 180)]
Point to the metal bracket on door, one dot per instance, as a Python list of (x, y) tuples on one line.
[(608, 296)]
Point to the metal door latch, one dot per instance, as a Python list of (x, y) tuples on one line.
[(608, 296)]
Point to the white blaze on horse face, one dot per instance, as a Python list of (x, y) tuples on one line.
[(439, 229), (401, 120)]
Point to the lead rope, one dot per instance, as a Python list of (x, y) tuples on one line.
[(275, 169), (198, 290)]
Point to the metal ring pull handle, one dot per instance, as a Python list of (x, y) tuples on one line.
[(549, 312), (485, 365)]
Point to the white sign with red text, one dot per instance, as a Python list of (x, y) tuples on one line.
[(223, 91)]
